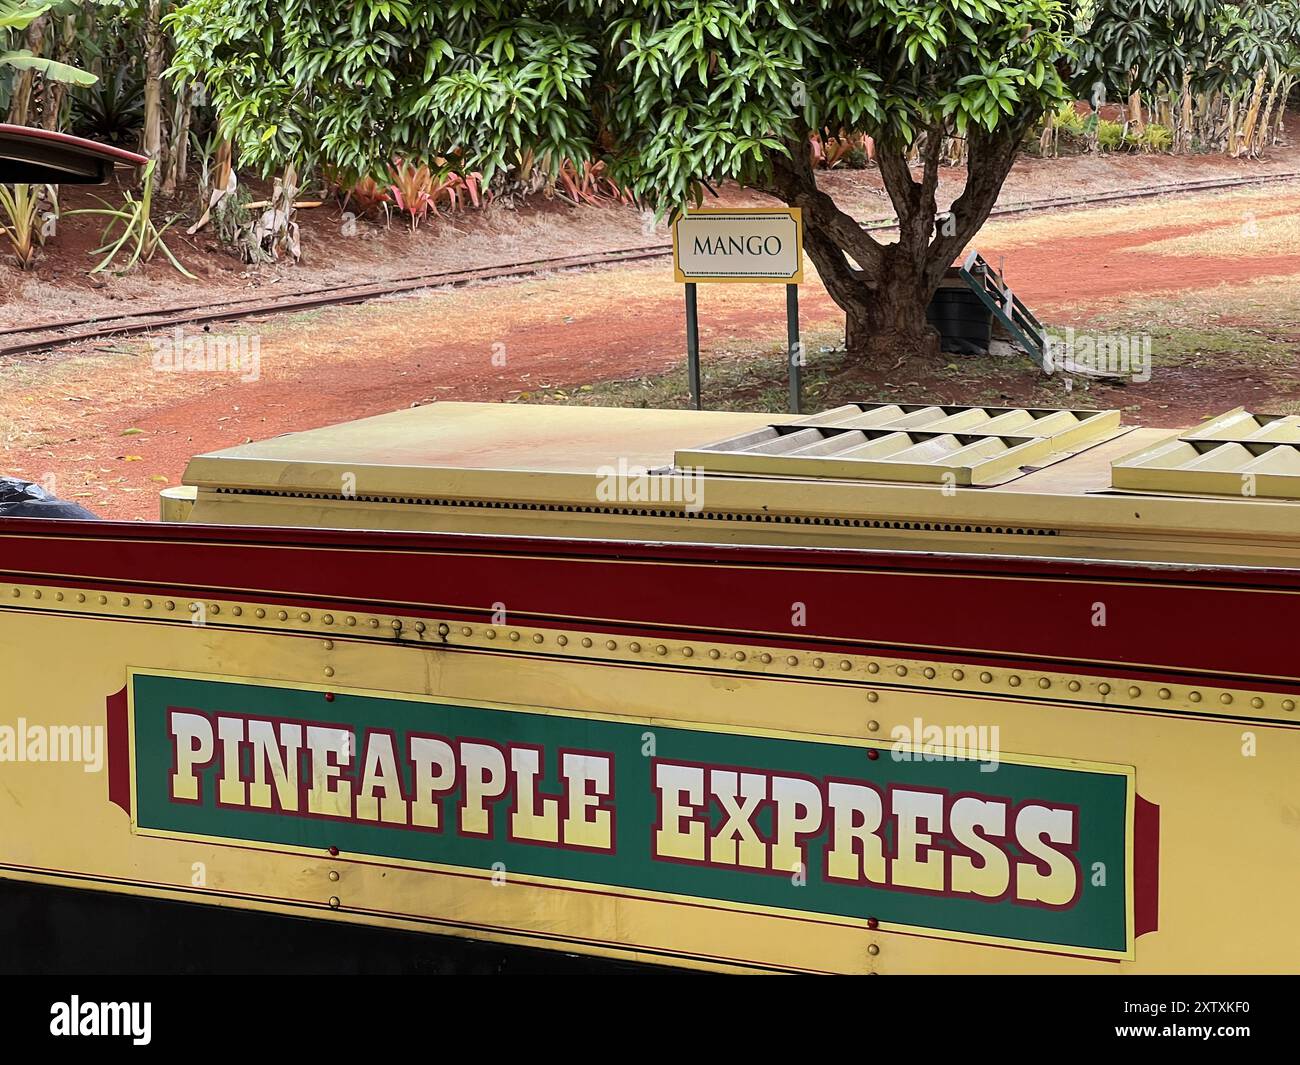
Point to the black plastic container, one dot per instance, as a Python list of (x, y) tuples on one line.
[(965, 325)]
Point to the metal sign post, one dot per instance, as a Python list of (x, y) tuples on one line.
[(794, 347), (693, 346), (740, 244)]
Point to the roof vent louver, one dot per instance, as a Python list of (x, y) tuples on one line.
[(1234, 454), (903, 442)]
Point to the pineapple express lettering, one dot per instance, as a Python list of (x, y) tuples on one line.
[(890, 836), (320, 770), (864, 832)]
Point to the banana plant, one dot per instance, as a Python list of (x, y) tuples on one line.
[(18, 15), (1214, 73)]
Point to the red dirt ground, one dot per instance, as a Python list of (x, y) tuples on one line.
[(114, 434), (1056, 277)]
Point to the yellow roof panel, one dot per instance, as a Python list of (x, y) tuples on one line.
[(1240, 424), (420, 450), (917, 443), (1040, 480), (1235, 454)]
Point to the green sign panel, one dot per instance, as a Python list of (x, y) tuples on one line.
[(997, 848)]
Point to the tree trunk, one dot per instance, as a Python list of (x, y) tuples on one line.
[(1264, 131), (90, 24), (178, 155), (1183, 143), (1246, 145), (1047, 142), (1135, 111), (884, 289), (152, 143), (21, 102), (58, 90), (1279, 122), (888, 320)]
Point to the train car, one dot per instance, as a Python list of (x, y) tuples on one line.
[(892, 688)]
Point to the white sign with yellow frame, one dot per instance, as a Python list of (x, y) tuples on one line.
[(752, 244)]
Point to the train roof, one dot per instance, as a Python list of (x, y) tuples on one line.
[(36, 156), (886, 475)]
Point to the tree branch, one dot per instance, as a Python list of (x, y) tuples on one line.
[(913, 201), (930, 176), (989, 157), (842, 282), (898, 180), (793, 182)]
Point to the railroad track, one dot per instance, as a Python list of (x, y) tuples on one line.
[(68, 331)]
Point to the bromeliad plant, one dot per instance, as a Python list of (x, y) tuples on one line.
[(413, 188), (367, 196), (418, 190), (112, 111), (131, 231), (22, 221), (588, 182), (457, 187)]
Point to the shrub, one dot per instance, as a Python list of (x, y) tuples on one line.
[(1110, 135), (21, 222), (1060, 130), (1068, 120), (1156, 138)]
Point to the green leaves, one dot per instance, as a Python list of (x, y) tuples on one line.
[(668, 92), (985, 97), (1138, 45), (16, 15), (22, 59)]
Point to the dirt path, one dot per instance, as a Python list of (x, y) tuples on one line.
[(106, 427), (1061, 263)]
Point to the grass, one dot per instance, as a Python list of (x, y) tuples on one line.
[(756, 379), (1256, 323), (1255, 235), (1181, 210), (1238, 330)]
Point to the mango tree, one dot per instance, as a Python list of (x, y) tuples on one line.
[(675, 96)]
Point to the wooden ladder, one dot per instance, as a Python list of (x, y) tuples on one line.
[(997, 296)]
